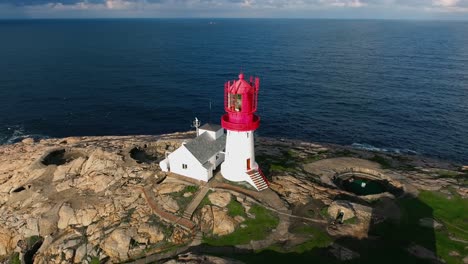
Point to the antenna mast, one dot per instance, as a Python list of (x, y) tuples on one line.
[(196, 124)]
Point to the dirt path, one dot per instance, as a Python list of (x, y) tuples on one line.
[(171, 218)]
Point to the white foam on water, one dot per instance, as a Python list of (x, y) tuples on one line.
[(15, 134), (369, 147)]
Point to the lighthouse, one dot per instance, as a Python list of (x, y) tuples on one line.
[(240, 122)]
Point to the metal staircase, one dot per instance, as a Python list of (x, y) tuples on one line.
[(261, 183)]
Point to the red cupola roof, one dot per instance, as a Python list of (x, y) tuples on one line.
[(240, 103), (240, 86)]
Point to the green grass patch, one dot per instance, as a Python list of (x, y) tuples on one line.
[(312, 158), (256, 229), (287, 161), (167, 229), (14, 258), (181, 200), (280, 167), (344, 153), (384, 163), (448, 174), (95, 260), (324, 213), (320, 239), (190, 188), (453, 212), (32, 240), (235, 208), (351, 221)]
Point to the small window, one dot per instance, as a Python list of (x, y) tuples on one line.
[(247, 134), (184, 166), (217, 156)]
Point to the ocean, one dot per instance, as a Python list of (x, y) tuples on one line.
[(399, 86)]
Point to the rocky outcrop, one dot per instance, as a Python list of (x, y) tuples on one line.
[(343, 207), (83, 196), (168, 203), (104, 198), (359, 228), (297, 191), (116, 245), (6, 241), (193, 258), (220, 199), (216, 221)]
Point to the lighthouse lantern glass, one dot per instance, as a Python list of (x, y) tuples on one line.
[(235, 102)]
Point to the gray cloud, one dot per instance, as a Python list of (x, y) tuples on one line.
[(237, 8)]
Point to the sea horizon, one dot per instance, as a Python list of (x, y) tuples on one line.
[(342, 81)]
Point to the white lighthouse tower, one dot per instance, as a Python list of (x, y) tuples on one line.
[(240, 121)]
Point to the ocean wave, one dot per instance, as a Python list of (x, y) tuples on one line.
[(369, 147), (14, 134)]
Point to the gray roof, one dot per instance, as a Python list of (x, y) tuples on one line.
[(211, 127), (204, 147)]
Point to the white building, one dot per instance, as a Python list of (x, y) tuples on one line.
[(199, 157)]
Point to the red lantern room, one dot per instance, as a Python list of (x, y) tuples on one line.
[(240, 103)]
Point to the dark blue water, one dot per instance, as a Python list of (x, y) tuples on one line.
[(389, 84)]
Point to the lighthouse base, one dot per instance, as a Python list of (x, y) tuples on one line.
[(239, 161), (253, 176)]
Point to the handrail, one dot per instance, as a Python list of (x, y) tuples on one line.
[(263, 176)]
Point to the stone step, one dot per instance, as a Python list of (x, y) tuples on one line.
[(258, 180)]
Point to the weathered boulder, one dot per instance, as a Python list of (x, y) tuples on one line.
[(101, 161), (28, 141), (95, 182), (68, 255), (206, 219), (170, 187), (31, 228), (216, 221), (154, 233), (6, 242), (81, 217), (223, 224), (116, 245), (66, 217), (296, 191), (220, 199), (81, 252), (179, 235), (168, 203), (74, 168)]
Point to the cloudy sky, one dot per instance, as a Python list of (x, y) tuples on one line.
[(387, 9)]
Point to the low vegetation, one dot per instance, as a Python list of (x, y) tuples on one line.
[(319, 239), (452, 213), (14, 258), (184, 201), (384, 162), (235, 208), (324, 213), (257, 228)]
